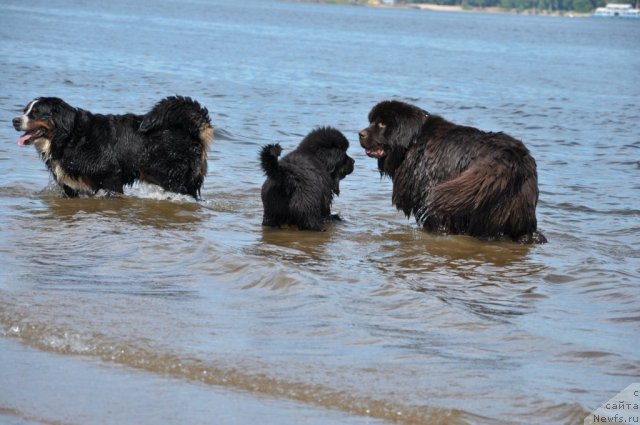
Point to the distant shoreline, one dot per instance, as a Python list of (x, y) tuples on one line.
[(443, 8), (457, 9)]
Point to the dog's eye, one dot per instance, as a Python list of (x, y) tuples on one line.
[(381, 125)]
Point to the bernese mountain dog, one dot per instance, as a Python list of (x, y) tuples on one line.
[(87, 152)]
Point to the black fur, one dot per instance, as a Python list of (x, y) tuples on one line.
[(87, 152), (454, 179), (299, 188)]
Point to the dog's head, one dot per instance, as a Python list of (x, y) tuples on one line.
[(329, 147), (392, 125), (42, 120)]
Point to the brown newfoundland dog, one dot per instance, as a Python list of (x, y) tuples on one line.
[(454, 179)]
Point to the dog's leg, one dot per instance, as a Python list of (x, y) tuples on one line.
[(113, 185), (306, 211), (310, 222), (271, 222), (193, 190), (69, 192)]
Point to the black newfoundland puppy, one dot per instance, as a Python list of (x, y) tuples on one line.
[(299, 188), (87, 152), (454, 179)]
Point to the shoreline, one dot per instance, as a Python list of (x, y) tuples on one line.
[(456, 8), (500, 10)]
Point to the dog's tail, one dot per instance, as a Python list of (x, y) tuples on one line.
[(178, 112), (269, 160)]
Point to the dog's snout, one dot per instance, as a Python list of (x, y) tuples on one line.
[(364, 135), (17, 122)]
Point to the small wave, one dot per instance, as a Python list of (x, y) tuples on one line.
[(15, 192), (140, 190), (134, 354), (151, 191), (26, 417), (564, 413), (222, 134), (568, 206)]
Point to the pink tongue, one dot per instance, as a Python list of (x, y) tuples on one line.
[(376, 153), (23, 139)]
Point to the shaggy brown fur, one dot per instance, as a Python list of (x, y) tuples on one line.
[(454, 179)]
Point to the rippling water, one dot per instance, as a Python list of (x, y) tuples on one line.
[(155, 309)]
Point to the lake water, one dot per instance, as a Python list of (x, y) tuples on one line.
[(157, 309)]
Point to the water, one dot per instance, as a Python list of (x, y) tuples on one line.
[(157, 309)]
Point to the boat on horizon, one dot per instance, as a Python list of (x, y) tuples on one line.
[(617, 10)]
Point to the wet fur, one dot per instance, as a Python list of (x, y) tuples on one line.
[(87, 152), (454, 179), (299, 188)]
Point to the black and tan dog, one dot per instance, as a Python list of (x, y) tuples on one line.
[(87, 152), (454, 179), (300, 187)]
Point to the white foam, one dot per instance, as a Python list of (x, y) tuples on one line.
[(152, 191)]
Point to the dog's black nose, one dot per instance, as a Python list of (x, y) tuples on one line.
[(17, 122)]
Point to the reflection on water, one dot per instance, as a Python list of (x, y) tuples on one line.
[(136, 211), (415, 251), (296, 246)]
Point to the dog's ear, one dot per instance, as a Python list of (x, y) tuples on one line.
[(403, 122), (406, 128), (335, 185), (63, 117), (333, 167), (341, 165), (331, 158)]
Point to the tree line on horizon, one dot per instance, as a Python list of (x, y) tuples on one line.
[(581, 6)]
